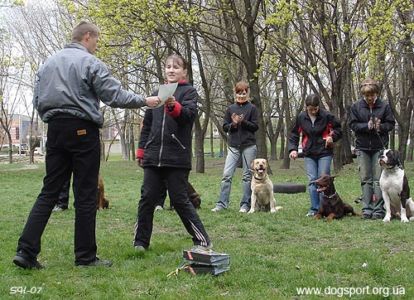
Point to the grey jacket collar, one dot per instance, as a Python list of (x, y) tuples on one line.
[(77, 46)]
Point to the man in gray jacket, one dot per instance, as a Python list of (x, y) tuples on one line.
[(67, 94)]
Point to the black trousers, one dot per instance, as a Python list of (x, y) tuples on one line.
[(63, 199), (72, 146), (177, 189)]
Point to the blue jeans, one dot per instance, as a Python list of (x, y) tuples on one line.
[(315, 167), (247, 154), (370, 172)]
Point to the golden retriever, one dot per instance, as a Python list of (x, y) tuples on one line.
[(262, 188)]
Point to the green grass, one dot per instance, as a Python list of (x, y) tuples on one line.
[(271, 254)]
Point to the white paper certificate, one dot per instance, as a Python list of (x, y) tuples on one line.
[(165, 91)]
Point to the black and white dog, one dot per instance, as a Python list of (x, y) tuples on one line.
[(394, 187)]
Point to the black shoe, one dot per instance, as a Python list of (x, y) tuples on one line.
[(377, 216), (366, 216), (26, 263), (96, 263)]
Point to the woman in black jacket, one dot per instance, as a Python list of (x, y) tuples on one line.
[(240, 122), (371, 119), (165, 154), (319, 129)]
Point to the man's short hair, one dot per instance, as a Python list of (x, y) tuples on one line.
[(369, 86), (83, 28)]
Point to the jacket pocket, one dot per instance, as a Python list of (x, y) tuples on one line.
[(149, 142), (178, 141)]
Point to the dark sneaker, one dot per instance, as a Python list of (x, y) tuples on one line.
[(96, 263), (366, 216), (26, 263), (377, 216)]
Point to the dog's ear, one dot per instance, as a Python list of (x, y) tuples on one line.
[(395, 157), (252, 164), (395, 154)]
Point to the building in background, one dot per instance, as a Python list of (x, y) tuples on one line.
[(20, 133)]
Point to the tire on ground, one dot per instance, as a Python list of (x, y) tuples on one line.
[(288, 188)]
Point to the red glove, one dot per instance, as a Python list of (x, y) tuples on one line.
[(175, 111), (139, 154)]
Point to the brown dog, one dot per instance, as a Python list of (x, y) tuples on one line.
[(101, 201), (331, 206), (194, 196), (262, 188)]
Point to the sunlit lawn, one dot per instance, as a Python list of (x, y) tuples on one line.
[(271, 255)]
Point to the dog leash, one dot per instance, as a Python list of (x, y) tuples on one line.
[(382, 142), (384, 148)]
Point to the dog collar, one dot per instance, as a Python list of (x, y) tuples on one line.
[(331, 196), (258, 178)]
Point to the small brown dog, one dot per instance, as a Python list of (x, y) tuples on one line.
[(194, 196), (101, 201), (331, 206)]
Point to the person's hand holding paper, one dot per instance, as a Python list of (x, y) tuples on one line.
[(166, 92)]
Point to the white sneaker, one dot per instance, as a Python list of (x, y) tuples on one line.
[(216, 209), (311, 214), (243, 210), (158, 207), (140, 249), (58, 208), (200, 248)]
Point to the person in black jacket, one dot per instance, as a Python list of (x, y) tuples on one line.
[(165, 154), (319, 129), (240, 122), (371, 119)]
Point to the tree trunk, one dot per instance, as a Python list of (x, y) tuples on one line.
[(411, 145), (211, 140), (131, 140), (102, 143), (10, 146), (199, 146), (201, 127), (285, 100)]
